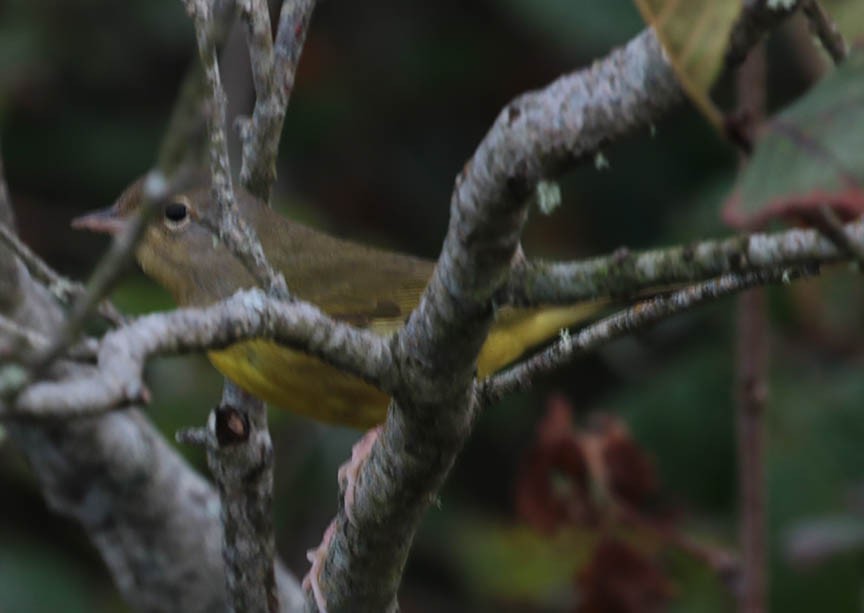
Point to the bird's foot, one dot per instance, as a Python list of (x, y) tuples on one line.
[(350, 470), (317, 557)]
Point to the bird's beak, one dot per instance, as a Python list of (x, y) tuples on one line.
[(105, 221)]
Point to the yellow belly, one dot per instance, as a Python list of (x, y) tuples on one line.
[(296, 382)]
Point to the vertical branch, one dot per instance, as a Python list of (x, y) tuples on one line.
[(752, 386), (273, 71), (241, 460), (239, 236), (393, 479), (237, 439), (240, 454)]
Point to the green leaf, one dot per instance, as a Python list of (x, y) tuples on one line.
[(809, 155)]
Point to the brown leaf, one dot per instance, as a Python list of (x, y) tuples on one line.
[(570, 476), (620, 579), (694, 34), (552, 483), (629, 468)]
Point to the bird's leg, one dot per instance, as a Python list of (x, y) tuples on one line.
[(350, 470), (317, 557), (348, 474)]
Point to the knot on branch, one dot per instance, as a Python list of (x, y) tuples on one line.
[(232, 426)]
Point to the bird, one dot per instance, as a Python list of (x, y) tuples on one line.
[(365, 286)]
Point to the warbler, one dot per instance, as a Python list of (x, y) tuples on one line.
[(365, 286)]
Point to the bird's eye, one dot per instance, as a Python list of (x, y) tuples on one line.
[(176, 213)]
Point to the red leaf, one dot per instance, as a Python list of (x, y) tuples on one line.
[(629, 469), (552, 484), (620, 579), (848, 205)]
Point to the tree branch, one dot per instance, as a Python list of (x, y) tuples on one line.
[(752, 374), (246, 493), (246, 315), (238, 235), (625, 273), (274, 73), (302, 326), (535, 136), (752, 392), (153, 519), (249, 544), (155, 191), (637, 317)]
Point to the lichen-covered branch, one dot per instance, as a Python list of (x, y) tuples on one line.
[(152, 518), (637, 317), (625, 273), (238, 235), (246, 315), (243, 471), (62, 288), (535, 136), (249, 537), (274, 70)]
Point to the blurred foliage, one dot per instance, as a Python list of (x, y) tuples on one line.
[(390, 101), (807, 156)]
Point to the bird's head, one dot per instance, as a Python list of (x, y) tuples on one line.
[(178, 249)]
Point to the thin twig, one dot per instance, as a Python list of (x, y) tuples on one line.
[(752, 383), (642, 315), (20, 335), (249, 543), (274, 71), (752, 391), (63, 288), (724, 564), (832, 227), (155, 190), (7, 218), (626, 274), (238, 235), (826, 30)]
